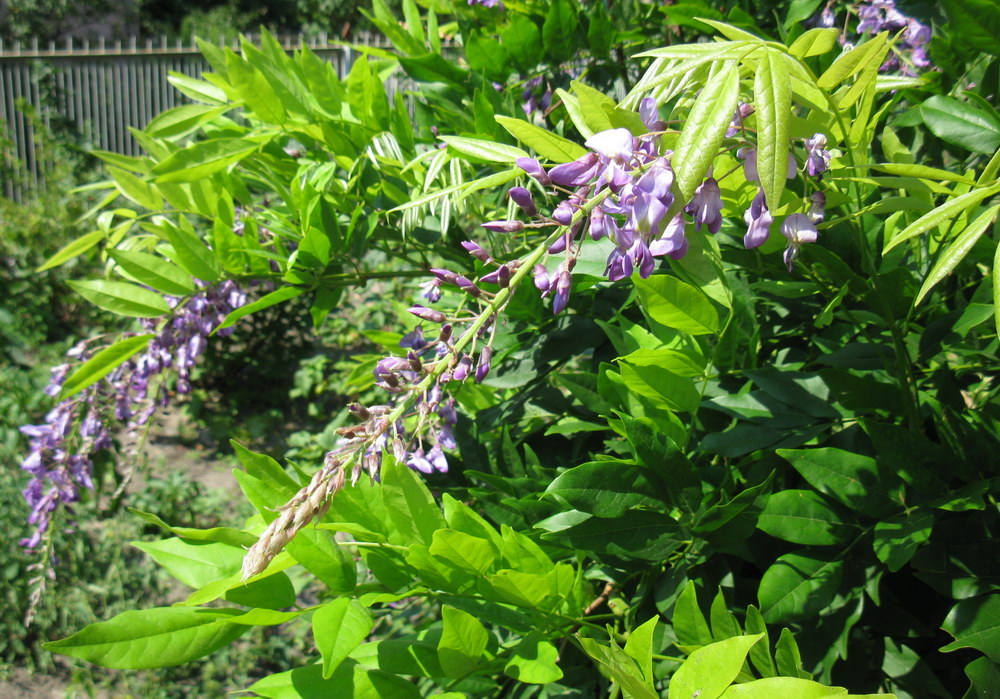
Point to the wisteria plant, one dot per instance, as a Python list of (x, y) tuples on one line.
[(722, 335)]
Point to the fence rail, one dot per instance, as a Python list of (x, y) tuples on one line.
[(103, 88)]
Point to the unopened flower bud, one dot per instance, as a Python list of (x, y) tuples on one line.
[(541, 278), (503, 226), (445, 334), (483, 368), (563, 213), (534, 169), (429, 314), (359, 411), (522, 197), (462, 369), (476, 251)]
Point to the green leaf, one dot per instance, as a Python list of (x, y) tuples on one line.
[(607, 488), (182, 120), (852, 479), (339, 627), (922, 171), (199, 90), (194, 563), (201, 159), (952, 209), (485, 150), (545, 143), (677, 305), (411, 507), (787, 657), (710, 670), (559, 30), (976, 23), (771, 687), (799, 585), (773, 100), (225, 535), (102, 364), (319, 553), (850, 62), (155, 272), (956, 251), (814, 42), (462, 643), (73, 249), (637, 534), (984, 674), (487, 57), (136, 189), (897, 539), (705, 128), (688, 620), (523, 41), (468, 552), (996, 289), (265, 468), (760, 654), (639, 647), (122, 298), (158, 637), (272, 592), (350, 681), (533, 661), (663, 389), (961, 124), (620, 667), (975, 623), (803, 517), (277, 296), (189, 251)]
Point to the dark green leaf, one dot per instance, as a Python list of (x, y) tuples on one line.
[(799, 585), (975, 623), (803, 517), (608, 488)]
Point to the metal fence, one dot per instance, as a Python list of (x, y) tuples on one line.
[(102, 89)]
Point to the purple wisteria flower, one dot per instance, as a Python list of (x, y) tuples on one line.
[(818, 157), (61, 450), (758, 220), (706, 206), (875, 16), (798, 229)]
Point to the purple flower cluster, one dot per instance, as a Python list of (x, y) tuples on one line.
[(874, 16), (60, 453), (420, 436)]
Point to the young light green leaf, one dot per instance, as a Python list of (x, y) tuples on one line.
[(689, 622), (470, 553), (203, 158), (710, 670), (73, 249), (620, 667), (849, 63), (182, 120), (411, 507), (485, 150), (533, 661), (339, 627), (158, 637), (814, 42), (922, 171), (136, 189), (677, 304), (102, 364), (225, 535), (194, 563), (462, 643), (773, 99), (154, 271), (639, 647), (705, 128), (949, 210), (545, 143), (771, 687), (189, 251), (956, 251), (122, 298)]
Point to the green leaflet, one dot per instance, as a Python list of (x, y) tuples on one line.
[(122, 298), (950, 257), (102, 364), (773, 100), (949, 210), (339, 627), (547, 144), (711, 669)]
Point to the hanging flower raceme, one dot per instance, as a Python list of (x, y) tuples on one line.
[(61, 449), (909, 52)]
